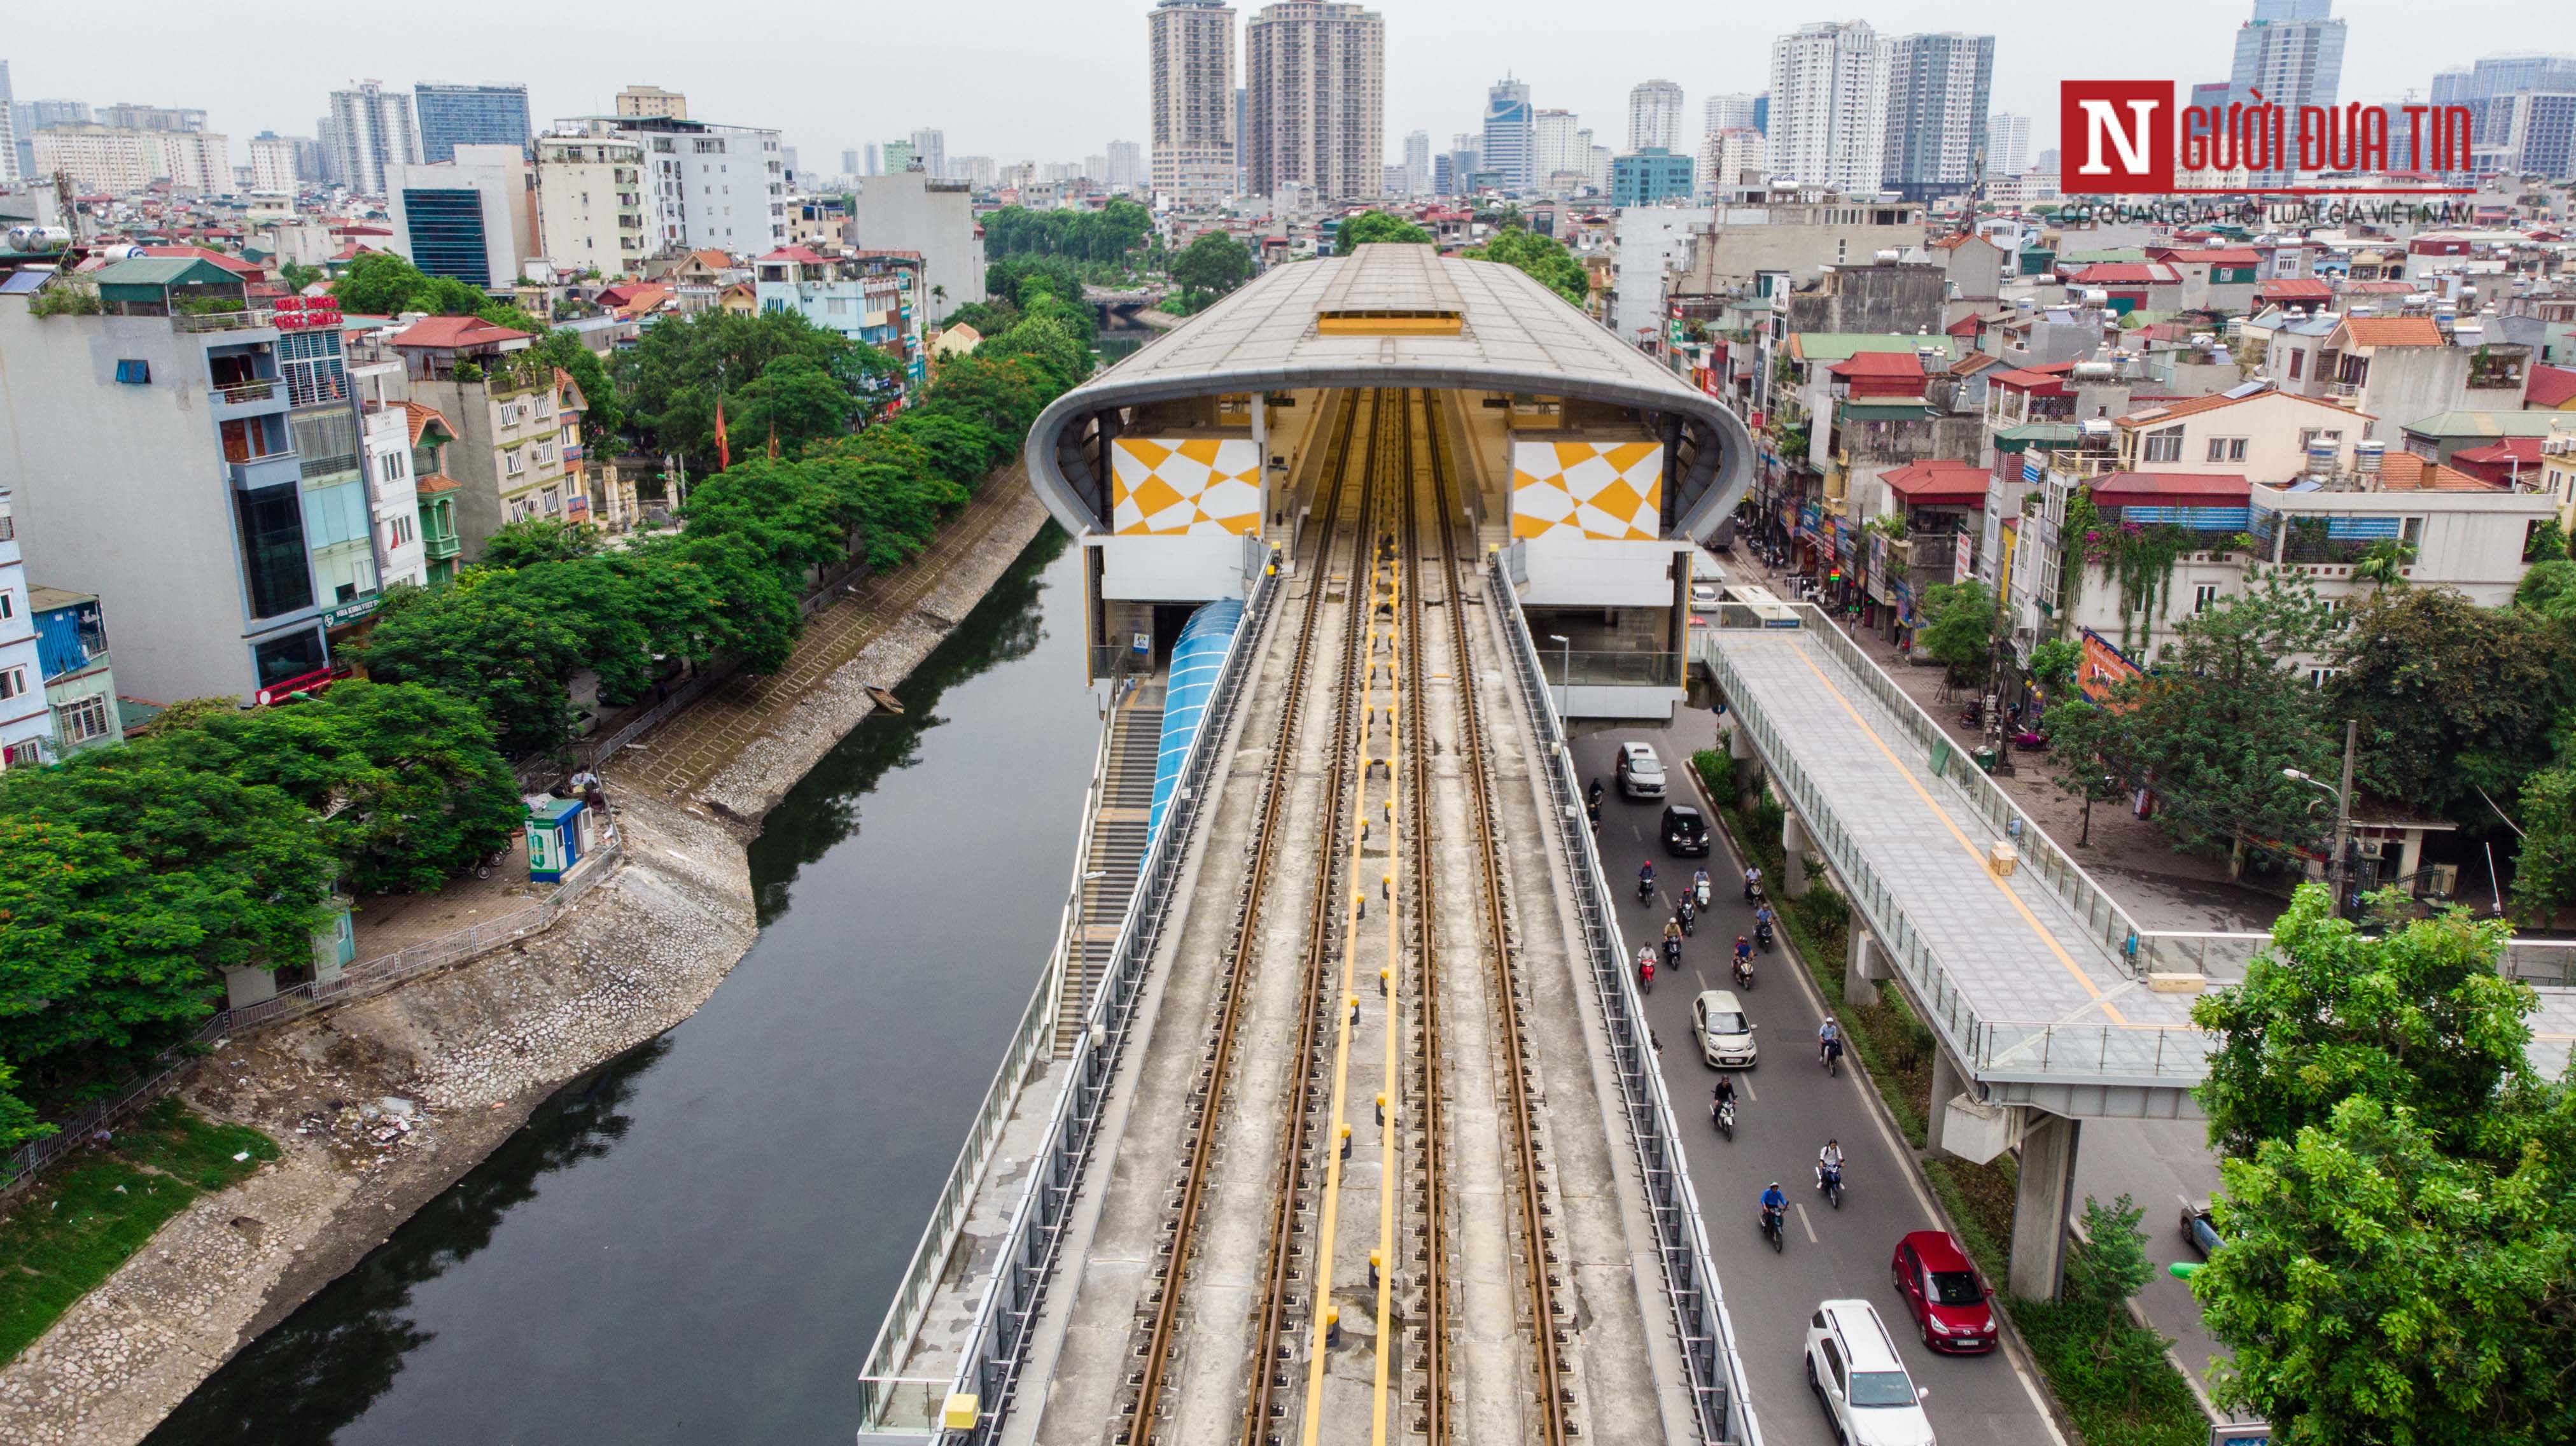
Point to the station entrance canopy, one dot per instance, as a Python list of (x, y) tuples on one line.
[(1389, 316)]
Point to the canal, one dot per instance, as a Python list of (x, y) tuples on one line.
[(694, 1242)]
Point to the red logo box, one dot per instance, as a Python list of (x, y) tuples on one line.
[(2115, 136)]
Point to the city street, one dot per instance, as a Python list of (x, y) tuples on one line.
[(1788, 1107)]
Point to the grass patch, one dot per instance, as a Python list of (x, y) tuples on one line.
[(72, 1229), (2117, 1387)]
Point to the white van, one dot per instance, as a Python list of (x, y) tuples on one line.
[(1853, 1367)]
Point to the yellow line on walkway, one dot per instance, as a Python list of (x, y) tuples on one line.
[(2001, 884)]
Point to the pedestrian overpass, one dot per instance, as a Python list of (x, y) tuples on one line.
[(2050, 1002)]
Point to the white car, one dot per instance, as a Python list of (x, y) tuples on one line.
[(1855, 1371), (1641, 773), (1725, 1035)]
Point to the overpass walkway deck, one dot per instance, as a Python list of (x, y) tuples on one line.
[(2038, 982)]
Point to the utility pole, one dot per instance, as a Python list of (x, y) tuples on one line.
[(2343, 816)]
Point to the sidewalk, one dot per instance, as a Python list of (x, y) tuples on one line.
[(391, 923), (2129, 856), (681, 756)]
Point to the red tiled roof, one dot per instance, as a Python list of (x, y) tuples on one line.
[(2169, 489), (2393, 331), (233, 264), (1879, 364), (2550, 388), (2378, 288), (1938, 481), (455, 331), (435, 482), (2295, 288), (1964, 326), (2027, 379), (2180, 407), (2406, 472), (420, 417), (2525, 450), (2218, 256), (2123, 273), (798, 254)]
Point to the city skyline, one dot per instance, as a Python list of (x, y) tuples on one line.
[(1436, 76)]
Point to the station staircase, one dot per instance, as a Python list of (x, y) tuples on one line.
[(1113, 850)]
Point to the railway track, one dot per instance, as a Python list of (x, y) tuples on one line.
[(1485, 933)]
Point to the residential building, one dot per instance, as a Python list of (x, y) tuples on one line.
[(850, 165), (1417, 163), (1757, 251), (2008, 143), (126, 115), (1561, 149), (1645, 243), (977, 173), (875, 167), (1511, 138), (1655, 116), (192, 457), (504, 408), (590, 203), (706, 186), (1126, 167), (80, 681), (372, 131), (899, 157), (1732, 111), (1196, 113), (477, 115), (2533, 134), (1828, 105), (1734, 163), (472, 218), (272, 165), (122, 160), (651, 102), (10, 169), (1936, 136), (2443, 436), (1316, 108), (1651, 177), (935, 220), (2490, 89), (388, 430), (930, 147), (873, 297), (2292, 51), (26, 727), (2397, 369)]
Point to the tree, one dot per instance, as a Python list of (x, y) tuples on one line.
[(1543, 257), (2053, 662), (2549, 590), (2383, 564), (671, 376), (1376, 226), (2418, 1018), (1956, 624), (1211, 265), (792, 402), (2374, 1287), (489, 645), (606, 414), (988, 318), (295, 276), (2452, 697), (2227, 708), (2544, 872), (539, 539), (1054, 354), (2547, 542), (2093, 752)]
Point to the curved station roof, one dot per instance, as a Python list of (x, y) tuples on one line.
[(1392, 316)]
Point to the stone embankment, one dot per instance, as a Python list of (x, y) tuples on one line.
[(382, 1104)]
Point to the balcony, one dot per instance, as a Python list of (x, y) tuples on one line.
[(249, 319), (440, 546), (248, 399), (275, 469)]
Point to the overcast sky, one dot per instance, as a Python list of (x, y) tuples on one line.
[(1058, 79)]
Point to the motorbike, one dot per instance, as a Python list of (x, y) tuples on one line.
[(1829, 1178), (1752, 893), (1672, 952), (1699, 886), (1645, 888), (1830, 1055), (1772, 1227), (1646, 976), (1762, 934), (1688, 913), (1592, 811), (1744, 972), (1723, 1113), (1974, 715)]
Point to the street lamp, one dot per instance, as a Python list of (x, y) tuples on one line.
[(2343, 812), (1565, 671)]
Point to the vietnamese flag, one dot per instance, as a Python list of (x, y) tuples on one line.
[(724, 454)]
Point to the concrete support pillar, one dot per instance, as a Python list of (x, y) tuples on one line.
[(1748, 765), (1946, 1086), (1862, 971), (1793, 856), (2041, 1207)]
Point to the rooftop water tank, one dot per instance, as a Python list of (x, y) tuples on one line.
[(2366, 455), (2321, 457), (38, 240)]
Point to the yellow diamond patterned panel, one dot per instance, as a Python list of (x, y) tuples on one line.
[(1610, 491), (1194, 487)]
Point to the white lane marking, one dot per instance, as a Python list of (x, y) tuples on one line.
[(1805, 1224), (1747, 1082)]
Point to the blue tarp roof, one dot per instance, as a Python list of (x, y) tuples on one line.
[(1197, 658)]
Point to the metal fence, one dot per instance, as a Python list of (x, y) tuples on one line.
[(995, 1342), (360, 980), (1698, 1300)]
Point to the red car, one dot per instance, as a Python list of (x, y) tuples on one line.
[(1952, 1309)]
